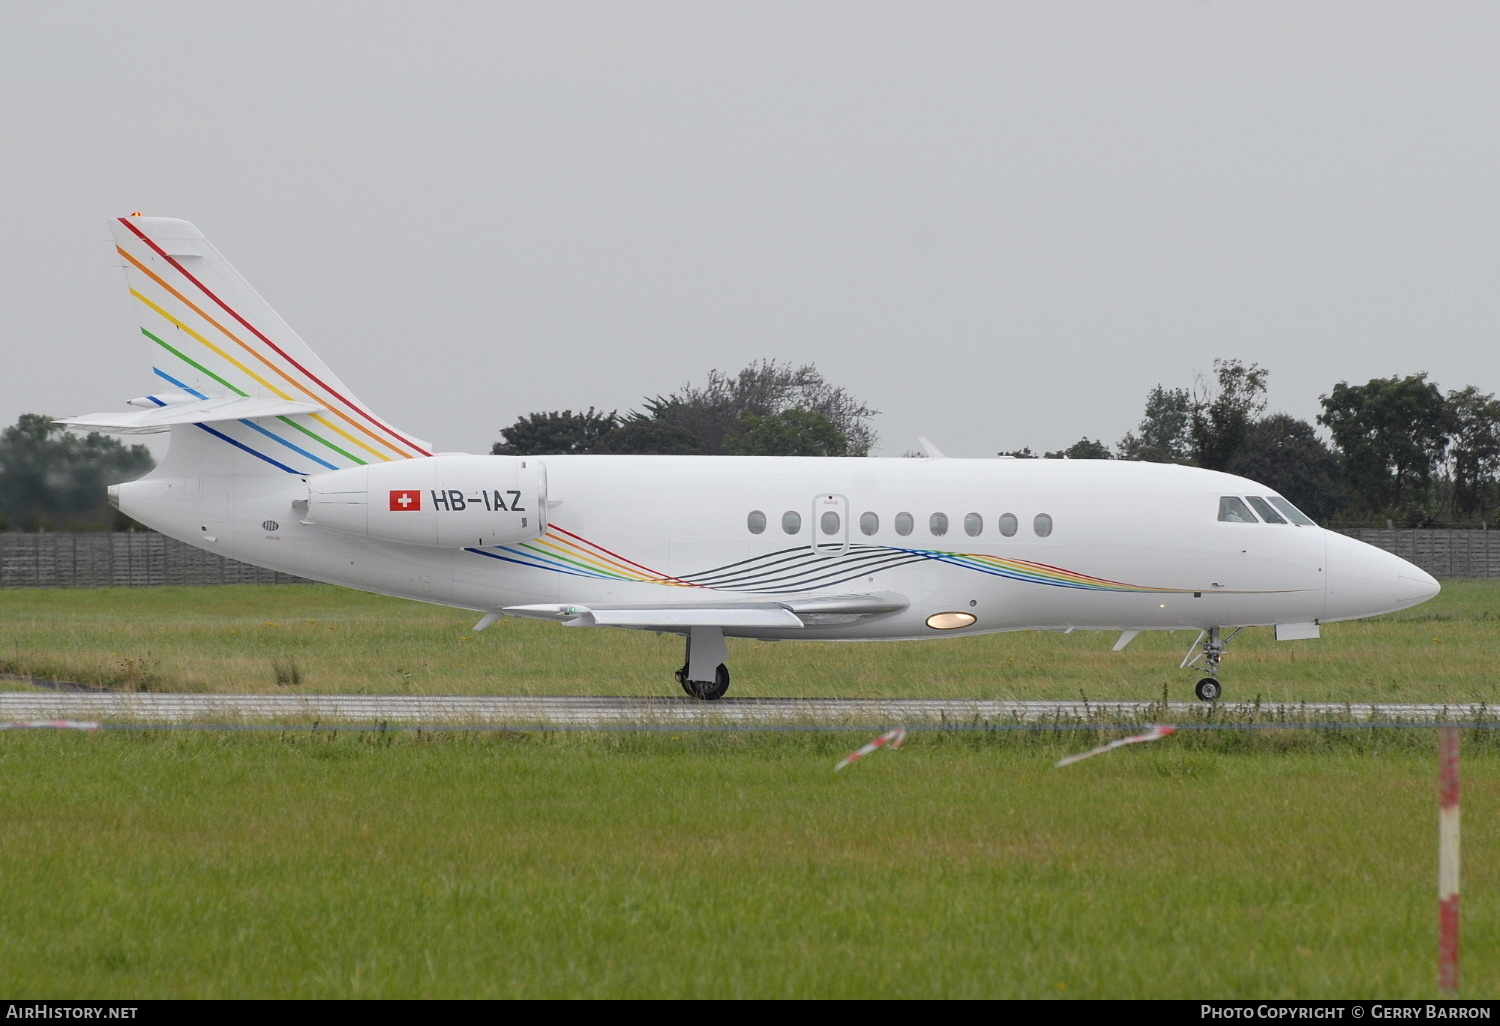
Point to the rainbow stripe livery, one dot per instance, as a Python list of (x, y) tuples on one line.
[(786, 571), (212, 335)]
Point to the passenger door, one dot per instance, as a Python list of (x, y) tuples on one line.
[(830, 525)]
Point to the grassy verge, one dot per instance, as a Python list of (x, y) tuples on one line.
[(609, 866), (324, 639)]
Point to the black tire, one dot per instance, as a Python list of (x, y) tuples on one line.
[(705, 690), (1208, 690)]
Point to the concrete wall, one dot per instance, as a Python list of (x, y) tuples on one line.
[(98, 560), (95, 559)]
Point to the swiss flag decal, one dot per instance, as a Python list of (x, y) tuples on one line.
[(406, 500)]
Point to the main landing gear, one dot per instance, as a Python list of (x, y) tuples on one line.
[(1206, 652), (703, 674)]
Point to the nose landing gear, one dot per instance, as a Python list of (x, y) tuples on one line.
[(1206, 652)]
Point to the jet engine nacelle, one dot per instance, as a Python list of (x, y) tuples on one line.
[(451, 501)]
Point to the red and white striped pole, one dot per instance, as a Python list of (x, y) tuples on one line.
[(1448, 861)]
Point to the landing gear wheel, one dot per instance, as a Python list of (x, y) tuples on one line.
[(706, 690), (1208, 690)]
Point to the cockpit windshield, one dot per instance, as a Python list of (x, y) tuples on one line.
[(1273, 509), (1232, 510), (1293, 514), (1263, 507)]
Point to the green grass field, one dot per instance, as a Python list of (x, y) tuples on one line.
[(159, 865), (1209, 864), (234, 639)]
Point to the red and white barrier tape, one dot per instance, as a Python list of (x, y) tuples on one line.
[(44, 724), (1156, 733), (890, 737)]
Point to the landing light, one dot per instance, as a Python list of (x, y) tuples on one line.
[(950, 621)]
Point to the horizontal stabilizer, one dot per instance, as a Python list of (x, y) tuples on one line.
[(202, 411)]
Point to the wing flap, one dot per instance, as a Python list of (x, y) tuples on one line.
[(756, 615), (833, 610)]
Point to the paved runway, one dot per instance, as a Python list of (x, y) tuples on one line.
[(495, 710)]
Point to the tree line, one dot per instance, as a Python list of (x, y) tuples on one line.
[(53, 480), (1400, 449), (767, 409)]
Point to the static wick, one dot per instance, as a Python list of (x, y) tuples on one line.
[(894, 738), (1156, 733)]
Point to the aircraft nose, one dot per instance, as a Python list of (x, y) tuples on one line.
[(1365, 581)]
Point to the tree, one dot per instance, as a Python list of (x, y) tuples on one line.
[(769, 388), (51, 478), (1391, 433), (1163, 435), (789, 433), (555, 433), (1083, 449), (1286, 455), (1474, 449), (643, 436), (1223, 410), (1019, 454)]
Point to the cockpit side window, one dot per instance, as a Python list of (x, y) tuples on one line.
[(1263, 507), (1232, 510), (1293, 514)]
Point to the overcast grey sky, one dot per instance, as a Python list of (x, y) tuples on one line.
[(998, 223)]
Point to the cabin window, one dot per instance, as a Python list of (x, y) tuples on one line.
[(938, 524), (829, 522), (869, 523), (1263, 507), (756, 521), (1293, 514), (904, 524), (1232, 510), (1008, 524), (791, 521), (1042, 525), (973, 525)]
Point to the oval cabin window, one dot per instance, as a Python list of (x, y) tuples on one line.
[(904, 524), (938, 524), (1042, 525), (756, 521), (973, 525), (1008, 525), (869, 523), (829, 522), (791, 521)]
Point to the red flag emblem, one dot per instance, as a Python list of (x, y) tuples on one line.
[(406, 500)]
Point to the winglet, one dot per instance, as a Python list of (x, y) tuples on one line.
[(932, 451)]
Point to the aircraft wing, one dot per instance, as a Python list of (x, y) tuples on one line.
[(826, 611)]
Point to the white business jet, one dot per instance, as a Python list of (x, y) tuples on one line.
[(274, 461)]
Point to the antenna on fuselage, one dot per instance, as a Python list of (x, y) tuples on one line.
[(932, 451)]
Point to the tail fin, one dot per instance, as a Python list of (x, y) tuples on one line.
[(213, 336)]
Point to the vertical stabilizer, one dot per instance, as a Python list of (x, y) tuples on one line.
[(212, 335)]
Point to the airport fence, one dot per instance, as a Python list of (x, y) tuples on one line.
[(96, 559), (99, 559), (1445, 553)]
